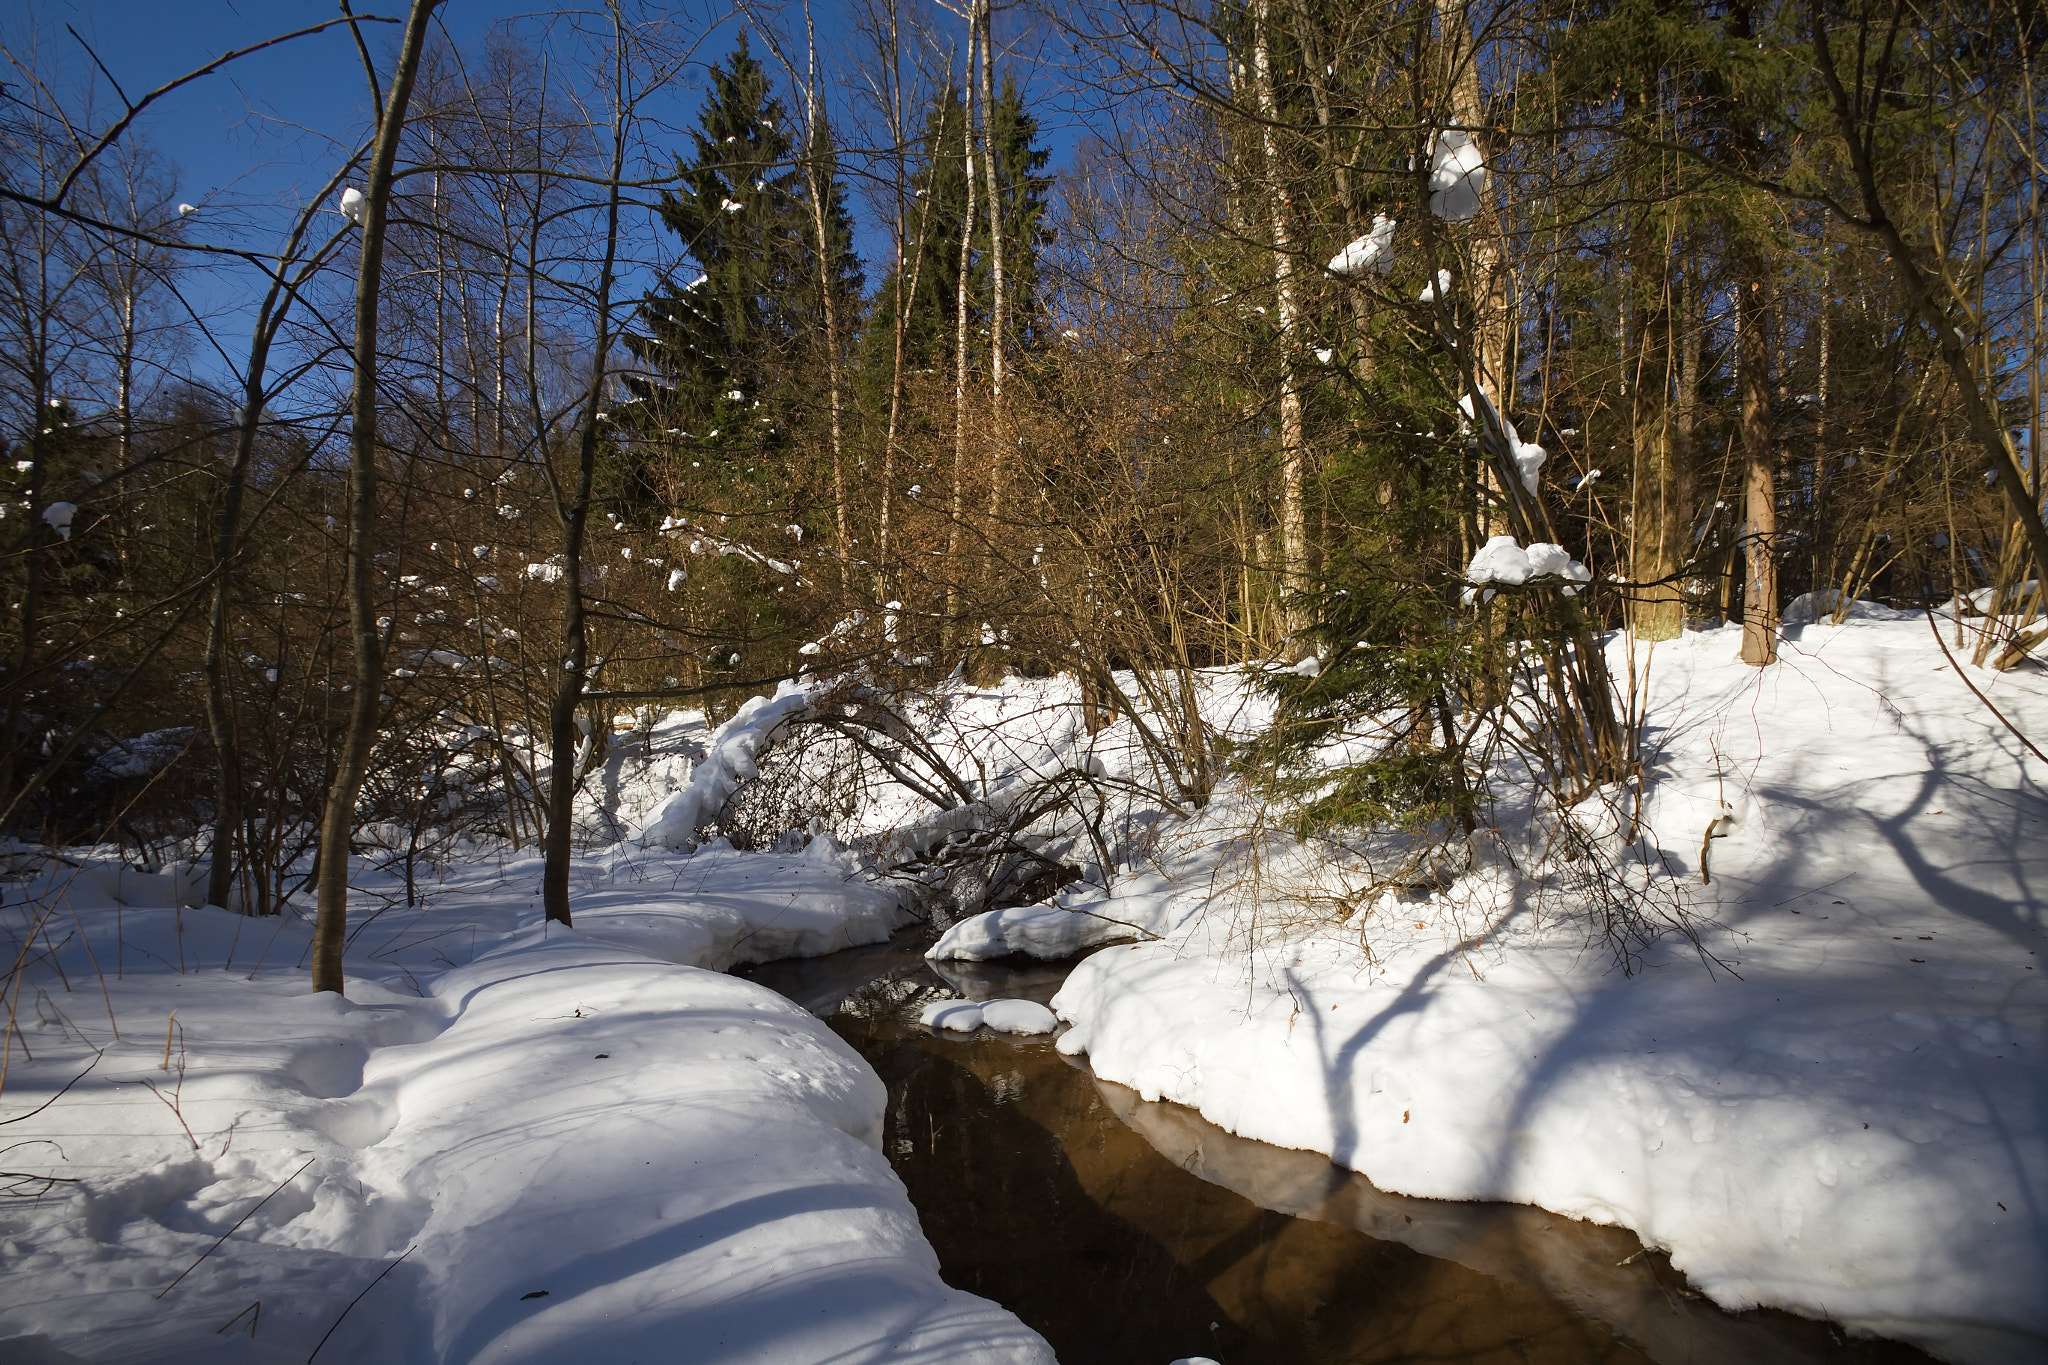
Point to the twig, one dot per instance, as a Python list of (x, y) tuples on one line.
[(257, 1306), (172, 1105), (358, 1299), (16, 1179), (58, 1096), (231, 1232)]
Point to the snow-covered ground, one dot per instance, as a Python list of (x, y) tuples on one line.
[(515, 1143), (510, 1142), (1846, 1120)]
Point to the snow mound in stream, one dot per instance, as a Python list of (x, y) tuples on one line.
[(1018, 1016), (1022, 1017), (958, 1016)]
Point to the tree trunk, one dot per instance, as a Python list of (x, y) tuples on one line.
[(894, 106), (1933, 298), (337, 822), (962, 300), (1656, 611), (1287, 304), (220, 722), (998, 306), (828, 285), (1760, 487), (1487, 283), (1685, 446), (562, 734)]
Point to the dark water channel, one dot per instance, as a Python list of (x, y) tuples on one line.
[(1135, 1233)]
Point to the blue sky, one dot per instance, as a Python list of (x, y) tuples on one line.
[(267, 126), (252, 141)]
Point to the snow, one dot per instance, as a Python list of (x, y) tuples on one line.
[(1440, 288), (514, 1142), (354, 206), (960, 1016), (1021, 1017), (729, 760), (58, 517), (1842, 1117), (1457, 175), (1142, 905), (1981, 601), (1844, 1122), (1502, 560), (1809, 607), (1374, 251)]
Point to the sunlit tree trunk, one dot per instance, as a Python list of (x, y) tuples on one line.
[(999, 304), (1287, 306), (828, 286), (963, 299), (1760, 486), (337, 823)]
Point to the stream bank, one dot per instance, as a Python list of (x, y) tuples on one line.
[(1128, 1231)]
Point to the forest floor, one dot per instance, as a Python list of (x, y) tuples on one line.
[(514, 1142)]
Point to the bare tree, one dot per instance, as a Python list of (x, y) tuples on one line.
[(338, 821)]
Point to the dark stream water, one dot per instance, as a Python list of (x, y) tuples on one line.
[(1135, 1233)]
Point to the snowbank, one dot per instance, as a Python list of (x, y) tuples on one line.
[(1851, 1128), (729, 759), (1004, 1016), (514, 1142), (1141, 907)]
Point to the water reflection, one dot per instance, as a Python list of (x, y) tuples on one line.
[(1135, 1233)]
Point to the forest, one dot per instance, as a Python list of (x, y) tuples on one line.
[(1487, 555), (1739, 305)]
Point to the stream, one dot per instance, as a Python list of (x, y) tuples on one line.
[(1137, 1233)]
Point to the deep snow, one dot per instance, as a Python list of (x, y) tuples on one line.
[(1846, 1121), (514, 1142), (1844, 1118)]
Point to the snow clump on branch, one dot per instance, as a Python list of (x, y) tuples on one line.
[(1374, 251), (354, 206), (1503, 561), (1457, 175)]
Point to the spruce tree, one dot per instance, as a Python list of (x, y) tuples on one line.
[(728, 358), (939, 185)]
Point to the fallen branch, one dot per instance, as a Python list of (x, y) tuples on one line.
[(358, 1299), (1979, 694), (231, 1232)]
